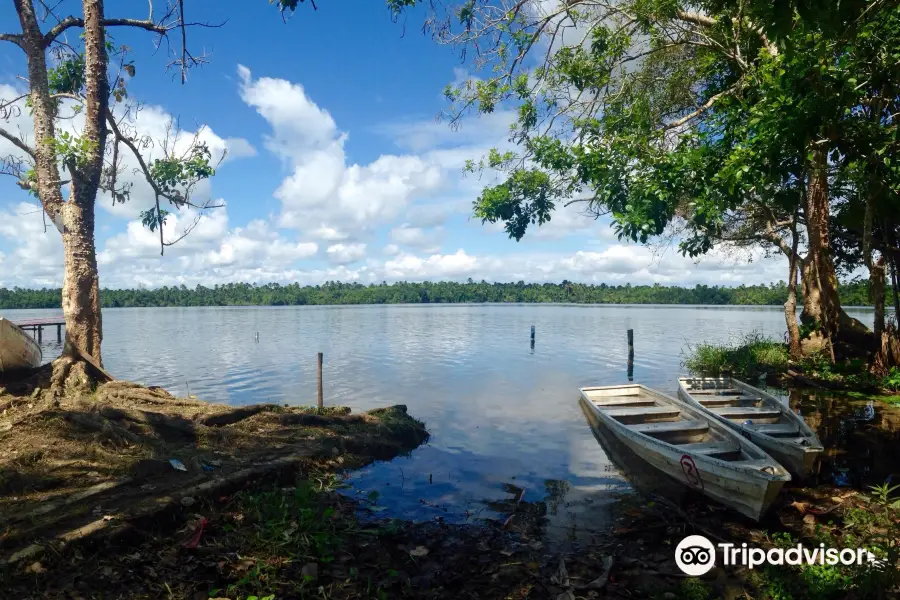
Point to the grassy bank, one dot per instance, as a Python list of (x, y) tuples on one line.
[(755, 357)]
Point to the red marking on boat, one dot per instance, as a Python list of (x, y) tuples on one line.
[(691, 473)]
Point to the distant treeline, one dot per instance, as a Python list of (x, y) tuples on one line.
[(273, 294)]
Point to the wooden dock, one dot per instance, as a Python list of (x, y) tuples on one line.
[(36, 327)]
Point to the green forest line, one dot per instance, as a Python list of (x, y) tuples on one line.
[(273, 294)]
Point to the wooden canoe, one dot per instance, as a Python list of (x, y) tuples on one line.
[(758, 416), (18, 350), (684, 443)]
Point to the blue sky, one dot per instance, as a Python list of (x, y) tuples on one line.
[(336, 168)]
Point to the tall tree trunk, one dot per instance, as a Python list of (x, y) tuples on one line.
[(790, 305), (821, 302), (81, 285), (877, 294), (75, 218), (822, 267), (895, 284)]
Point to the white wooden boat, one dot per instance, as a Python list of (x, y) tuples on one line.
[(758, 416), (686, 444), (18, 350)]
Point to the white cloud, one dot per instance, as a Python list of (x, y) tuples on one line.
[(36, 256), (152, 126), (391, 250), (329, 234), (210, 253), (425, 240), (438, 266), (342, 254), (323, 189)]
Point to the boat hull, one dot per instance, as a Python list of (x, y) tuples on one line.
[(745, 490), (18, 350), (801, 460)]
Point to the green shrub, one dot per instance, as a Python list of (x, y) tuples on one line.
[(892, 380), (749, 357)]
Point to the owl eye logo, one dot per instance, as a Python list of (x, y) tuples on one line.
[(695, 555)]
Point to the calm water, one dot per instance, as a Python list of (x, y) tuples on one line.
[(499, 412)]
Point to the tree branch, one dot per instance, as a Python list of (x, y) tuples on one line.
[(11, 37), (693, 115), (695, 18), (71, 21), (17, 142)]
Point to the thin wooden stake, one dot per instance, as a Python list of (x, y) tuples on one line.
[(321, 401)]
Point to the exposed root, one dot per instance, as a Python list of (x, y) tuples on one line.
[(61, 368), (231, 417), (119, 436), (154, 420)]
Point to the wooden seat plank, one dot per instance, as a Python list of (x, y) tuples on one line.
[(625, 401), (657, 411), (734, 412), (775, 428), (710, 448), (671, 427)]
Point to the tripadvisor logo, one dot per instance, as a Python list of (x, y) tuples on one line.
[(695, 555)]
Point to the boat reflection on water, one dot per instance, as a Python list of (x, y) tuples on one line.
[(643, 477)]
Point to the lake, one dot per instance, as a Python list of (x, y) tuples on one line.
[(499, 411)]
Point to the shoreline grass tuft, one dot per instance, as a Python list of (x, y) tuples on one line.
[(749, 357)]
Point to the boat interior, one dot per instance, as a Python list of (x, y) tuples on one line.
[(741, 406), (660, 418)]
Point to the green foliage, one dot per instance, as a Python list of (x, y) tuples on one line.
[(751, 357), (153, 218), (694, 589), (74, 151), (67, 77), (427, 292), (172, 175), (875, 527), (851, 373), (882, 493), (891, 381), (521, 200)]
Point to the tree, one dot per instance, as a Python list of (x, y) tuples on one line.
[(86, 80), (729, 120)]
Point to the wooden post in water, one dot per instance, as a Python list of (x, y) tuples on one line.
[(321, 401), (59, 333), (40, 333), (630, 354)]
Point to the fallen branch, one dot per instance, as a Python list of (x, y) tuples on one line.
[(119, 523), (53, 506)]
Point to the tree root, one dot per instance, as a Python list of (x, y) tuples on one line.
[(231, 417), (152, 419), (94, 422)]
